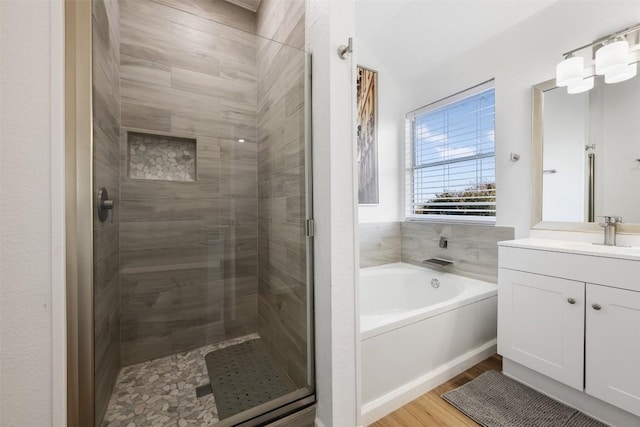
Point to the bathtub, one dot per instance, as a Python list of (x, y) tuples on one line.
[(419, 328)]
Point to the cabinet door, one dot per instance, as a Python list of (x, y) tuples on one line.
[(613, 346), (541, 324)]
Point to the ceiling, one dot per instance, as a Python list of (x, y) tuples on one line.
[(417, 35)]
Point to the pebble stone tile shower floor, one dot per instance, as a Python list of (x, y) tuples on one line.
[(162, 392)]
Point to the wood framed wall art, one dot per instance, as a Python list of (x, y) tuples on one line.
[(367, 136)]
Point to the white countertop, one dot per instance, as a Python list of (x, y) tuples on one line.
[(581, 248)]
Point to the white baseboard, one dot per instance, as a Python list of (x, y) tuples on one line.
[(376, 409)]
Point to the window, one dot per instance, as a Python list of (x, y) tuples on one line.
[(451, 157)]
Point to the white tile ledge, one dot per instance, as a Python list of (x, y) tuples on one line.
[(573, 247)]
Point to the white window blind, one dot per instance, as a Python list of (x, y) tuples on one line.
[(451, 157)]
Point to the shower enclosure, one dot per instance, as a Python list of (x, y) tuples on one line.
[(200, 303)]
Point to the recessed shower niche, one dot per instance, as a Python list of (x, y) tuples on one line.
[(161, 157)]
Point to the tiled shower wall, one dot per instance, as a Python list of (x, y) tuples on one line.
[(282, 303), (472, 248), (189, 249), (106, 143)]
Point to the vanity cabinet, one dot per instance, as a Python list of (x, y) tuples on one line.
[(612, 347), (541, 324), (573, 317)]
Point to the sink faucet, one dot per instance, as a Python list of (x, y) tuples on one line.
[(609, 224)]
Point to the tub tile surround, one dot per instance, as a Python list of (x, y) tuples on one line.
[(380, 243), (472, 248)]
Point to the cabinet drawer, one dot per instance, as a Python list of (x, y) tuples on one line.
[(619, 273), (541, 324)]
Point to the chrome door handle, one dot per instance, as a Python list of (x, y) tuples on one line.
[(596, 306), (571, 300)]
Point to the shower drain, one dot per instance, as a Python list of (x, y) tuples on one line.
[(203, 390)]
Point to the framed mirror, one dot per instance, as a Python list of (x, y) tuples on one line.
[(586, 156)]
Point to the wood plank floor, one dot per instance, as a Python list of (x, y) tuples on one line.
[(430, 410)]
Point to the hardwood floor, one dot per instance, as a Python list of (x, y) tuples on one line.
[(430, 410)]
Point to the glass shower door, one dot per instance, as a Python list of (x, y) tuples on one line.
[(202, 263)]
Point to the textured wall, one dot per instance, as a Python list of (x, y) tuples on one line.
[(189, 249), (379, 243), (26, 142), (282, 304), (472, 248), (106, 146)]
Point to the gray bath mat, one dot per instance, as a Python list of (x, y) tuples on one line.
[(243, 376), (494, 400)]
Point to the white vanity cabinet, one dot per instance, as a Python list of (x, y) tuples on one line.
[(612, 347), (573, 314), (541, 324)]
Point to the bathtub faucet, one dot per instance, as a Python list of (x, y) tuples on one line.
[(437, 262), (443, 243)]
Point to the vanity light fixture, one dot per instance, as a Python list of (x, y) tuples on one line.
[(625, 73), (581, 86), (570, 71), (612, 57), (612, 60)]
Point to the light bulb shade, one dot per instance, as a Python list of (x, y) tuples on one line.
[(612, 57), (625, 73), (581, 86), (570, 71)]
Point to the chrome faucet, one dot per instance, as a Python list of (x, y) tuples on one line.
[(609, 224)]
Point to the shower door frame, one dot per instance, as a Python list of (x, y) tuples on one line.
[(79, 212), (79, 205)]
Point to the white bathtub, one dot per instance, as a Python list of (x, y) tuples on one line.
[(416, 336)]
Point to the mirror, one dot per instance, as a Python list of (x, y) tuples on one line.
[(586, 150)]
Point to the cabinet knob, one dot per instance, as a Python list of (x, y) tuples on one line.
[(571, 300), (596, 306)]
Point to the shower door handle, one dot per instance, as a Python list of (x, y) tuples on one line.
[(104, 204)]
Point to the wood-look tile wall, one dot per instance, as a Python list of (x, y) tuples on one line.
[(106, 136), (379, 243), (472, 248), (189, 249), (282, 303)]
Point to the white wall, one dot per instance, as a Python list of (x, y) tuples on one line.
[(390, 140), (518, 58), (330, 24), (30, 251)]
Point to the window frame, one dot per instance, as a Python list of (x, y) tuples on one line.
[(410, 161)]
